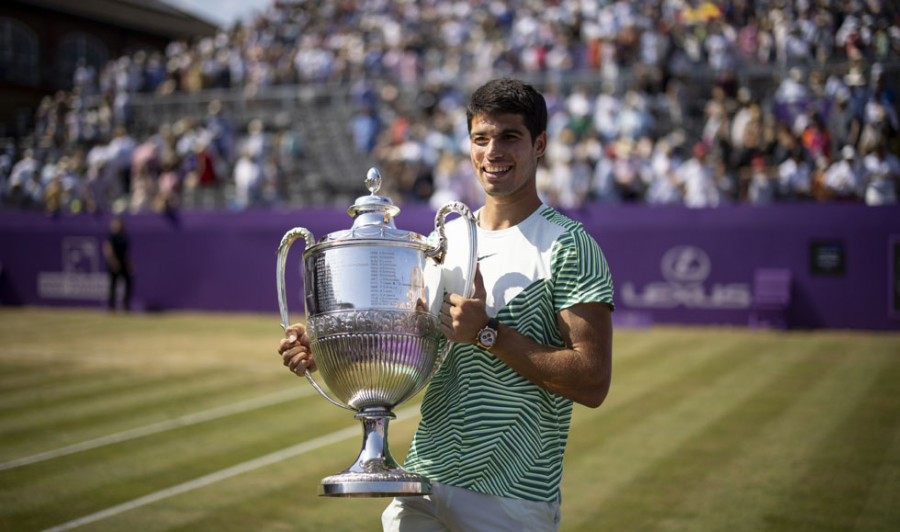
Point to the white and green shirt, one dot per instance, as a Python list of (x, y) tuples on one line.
[(484, 427)]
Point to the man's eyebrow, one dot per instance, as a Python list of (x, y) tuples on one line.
[(507, 131)]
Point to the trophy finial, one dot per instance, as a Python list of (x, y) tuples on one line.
[(373, 209), (373, 180)]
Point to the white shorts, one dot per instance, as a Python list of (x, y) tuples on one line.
[(448, 508)]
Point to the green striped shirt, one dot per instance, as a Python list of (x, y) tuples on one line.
[(484, 427)]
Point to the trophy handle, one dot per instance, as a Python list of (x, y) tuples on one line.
[(438, 254), (283, 248)]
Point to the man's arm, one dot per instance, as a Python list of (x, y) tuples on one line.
[(110, 257), (581, 371)]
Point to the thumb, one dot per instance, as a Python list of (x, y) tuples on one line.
[(480, 292)]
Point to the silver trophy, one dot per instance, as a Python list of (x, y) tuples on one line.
[(373, 295)]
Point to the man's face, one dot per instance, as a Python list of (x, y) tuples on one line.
[(503, 155)]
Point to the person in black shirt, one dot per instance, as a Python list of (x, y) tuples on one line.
[(118, 263)]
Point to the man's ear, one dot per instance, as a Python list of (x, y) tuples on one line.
[(540, 144)]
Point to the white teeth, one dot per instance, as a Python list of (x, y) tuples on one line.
[(496, 169)]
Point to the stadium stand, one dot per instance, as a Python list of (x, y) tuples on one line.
[(702, 103)]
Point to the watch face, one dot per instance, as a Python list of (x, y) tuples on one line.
[(487, 337)]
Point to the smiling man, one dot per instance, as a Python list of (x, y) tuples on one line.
[(535, 338)]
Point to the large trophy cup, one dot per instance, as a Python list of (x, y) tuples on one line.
[(373, 295)]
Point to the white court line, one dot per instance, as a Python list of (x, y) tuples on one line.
[(262, 461), (183, 421)]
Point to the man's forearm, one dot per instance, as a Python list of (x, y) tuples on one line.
[(582, 375)]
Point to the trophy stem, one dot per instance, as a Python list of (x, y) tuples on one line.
[(375, 473)]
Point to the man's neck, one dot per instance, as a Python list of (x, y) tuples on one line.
[(497, 214)]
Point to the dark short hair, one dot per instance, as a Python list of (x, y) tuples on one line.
[(510, 96)]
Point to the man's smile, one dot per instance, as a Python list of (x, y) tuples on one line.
[(495, 170)]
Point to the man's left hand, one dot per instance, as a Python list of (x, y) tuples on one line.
[(462, 318)]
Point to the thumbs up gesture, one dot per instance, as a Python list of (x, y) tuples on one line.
[(462, 318)]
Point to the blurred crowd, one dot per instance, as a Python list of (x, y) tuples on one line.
[(621, 80)]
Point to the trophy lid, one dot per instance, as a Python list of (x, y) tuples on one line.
[(373, 209), (373, 216)]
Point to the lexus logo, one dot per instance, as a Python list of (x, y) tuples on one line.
[(685, 264)]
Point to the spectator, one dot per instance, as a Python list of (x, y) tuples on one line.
[(635, 120), (881, 174), (168, 199), (816, 140), (626, 172), (792, 89), (365, 127), (606, 113), (843, 129), (256, 144), (119, 158), (144, 169), (220, 132), (795, 177), (664, 185), (741, 119), (698, 178), (842, 180), (24, 187), (52, 195), (603, 182), (248, 180), (651, 57), (762, 186)]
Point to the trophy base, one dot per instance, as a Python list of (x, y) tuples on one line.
[(375, 473), (384, 484)]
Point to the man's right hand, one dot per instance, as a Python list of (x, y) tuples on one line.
[(295, 350)]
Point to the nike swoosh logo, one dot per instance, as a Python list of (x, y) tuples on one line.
[(486, 256)]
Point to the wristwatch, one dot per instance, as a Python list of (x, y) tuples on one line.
[(487, 336)]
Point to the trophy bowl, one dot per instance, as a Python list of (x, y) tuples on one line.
[(373, 295)]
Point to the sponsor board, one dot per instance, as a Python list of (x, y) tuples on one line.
[(685, 270), (83, 275)]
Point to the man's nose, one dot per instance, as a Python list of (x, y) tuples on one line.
[(493, 148)]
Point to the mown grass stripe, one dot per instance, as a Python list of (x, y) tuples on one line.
[(654, 389), (55, 491), (63, 386), (720, 502), (676, 476), (639, 448), (844, 467), (155, 428), (883, 503), (742, 493), (634, 351), (212, 478), (140, 394), (77, 422)]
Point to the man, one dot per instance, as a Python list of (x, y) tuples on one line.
[(842, 180), (880, 175), (535, 337), (118, 263)]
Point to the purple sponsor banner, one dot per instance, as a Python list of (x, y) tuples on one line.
[(669, 264), (676, 265)]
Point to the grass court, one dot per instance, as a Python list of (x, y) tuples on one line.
[(188, 422)]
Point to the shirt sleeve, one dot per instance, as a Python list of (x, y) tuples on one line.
[(581, 274)]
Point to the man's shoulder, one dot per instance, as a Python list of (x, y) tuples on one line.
[(566, 229), (553, 216)]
